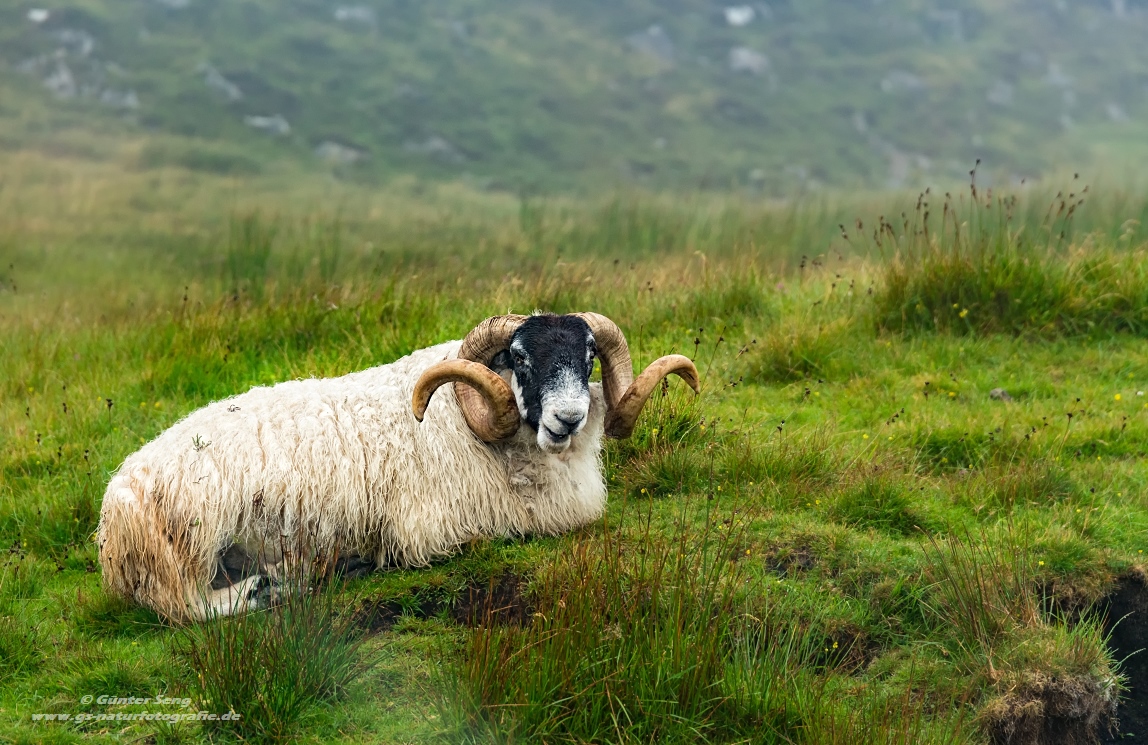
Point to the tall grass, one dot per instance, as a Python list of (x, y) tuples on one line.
[(272, 667), (249, 243), (19, 646), (629, 644), (1037, 668), (980, 268), (983, 595), (654, 637)]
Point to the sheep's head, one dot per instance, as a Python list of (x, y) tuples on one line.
[(545, 363), (549, 362)]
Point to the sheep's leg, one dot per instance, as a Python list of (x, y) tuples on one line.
[(259, 590), (353, 567), (249, 594)]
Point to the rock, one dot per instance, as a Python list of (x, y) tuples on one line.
[(1001, 94), (999, 394), (1056, 77), (214, 80), (61, 82), (333, 152), (899, 81), (127, 100), (1116, 112), (744, 59), (461, 30), (356, 15), (654, 42), (739, 15), (76, 41), (272, 125), (33, 65), (38, 15), (436, 147)]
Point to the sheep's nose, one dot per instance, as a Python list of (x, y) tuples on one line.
[(570, 419)]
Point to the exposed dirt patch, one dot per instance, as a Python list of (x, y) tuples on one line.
[(792, 561), (1084, 593), (1051, 711), (848, 647), (501, 600), (381, 615), (1127, 622)]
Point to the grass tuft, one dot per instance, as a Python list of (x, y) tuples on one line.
[(979, 272), (799, 349), (788, 465), (602, 661), (1032, 482), (1052, 676), (882, 503), (630, 642), (982, 593), (272, 667)]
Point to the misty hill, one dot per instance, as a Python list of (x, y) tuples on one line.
[(585, 94)]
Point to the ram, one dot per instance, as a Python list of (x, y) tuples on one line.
[(373, 467)]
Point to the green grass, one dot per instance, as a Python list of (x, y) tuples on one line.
[(843, 539)]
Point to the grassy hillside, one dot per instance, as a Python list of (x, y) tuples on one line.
[(576, 95)]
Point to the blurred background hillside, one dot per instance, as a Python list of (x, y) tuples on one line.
[(580, 96)]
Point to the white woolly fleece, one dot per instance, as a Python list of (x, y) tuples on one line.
[(327, 465)]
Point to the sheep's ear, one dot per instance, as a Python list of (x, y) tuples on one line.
[(502, 362)]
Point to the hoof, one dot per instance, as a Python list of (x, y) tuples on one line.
[(264, 592)]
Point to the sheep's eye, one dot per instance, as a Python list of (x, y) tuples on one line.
[(518, 358)]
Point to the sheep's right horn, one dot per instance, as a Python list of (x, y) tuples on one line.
[(494, 417), (620, 419)]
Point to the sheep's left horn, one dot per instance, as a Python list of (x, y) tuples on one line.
[(497, 420), (621, 418)]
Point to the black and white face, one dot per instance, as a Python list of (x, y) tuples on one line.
[(551, 358)]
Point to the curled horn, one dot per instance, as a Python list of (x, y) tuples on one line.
[(486, 400), (626, 396)]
